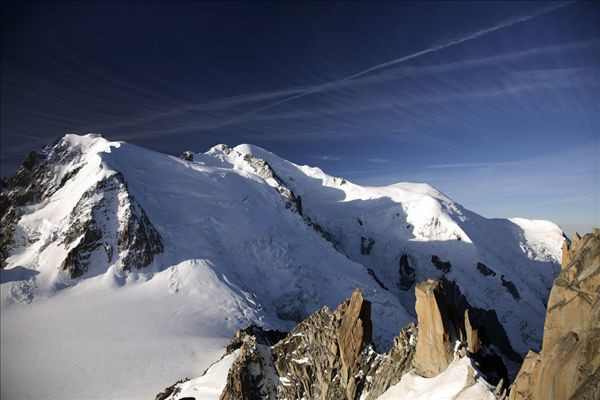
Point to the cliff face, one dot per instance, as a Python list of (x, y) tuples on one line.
[(568, 366)]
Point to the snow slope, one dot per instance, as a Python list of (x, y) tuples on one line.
[(459, 381), (210, 385), (236, 250)]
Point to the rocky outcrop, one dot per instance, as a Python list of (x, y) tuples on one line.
[(263, 169), (448, 322), (569, 248), (406, 273), (568, 365), (327, 355), (293, 201), (107, 219), (187, 156), (171, 391), (366, 245), (510, 287), (355, 331), (266, 337), (436, 340), (387, 369), (376, 278), (435, 348), (443, 266), (248, 378), (485, 270), (330, 356)]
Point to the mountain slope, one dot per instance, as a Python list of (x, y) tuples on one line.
[(113, 252), (502, 264)]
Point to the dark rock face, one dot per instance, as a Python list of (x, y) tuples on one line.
[(485, 270), (512, 289), (443, 266), (376, 278), (320, 230), (568, 365), (35, 181), (171, 391), (262, 336), (407, 274), (387, 369), (366, 245), (107, 205), (246, 380), (263, 169), (187, 156)]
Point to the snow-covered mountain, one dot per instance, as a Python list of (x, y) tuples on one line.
[(127, 269)]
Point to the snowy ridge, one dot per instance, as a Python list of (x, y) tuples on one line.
[(235, 249)]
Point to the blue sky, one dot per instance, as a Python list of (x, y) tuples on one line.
[(495, 103)]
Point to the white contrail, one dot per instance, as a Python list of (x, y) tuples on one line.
[(396, 61), (380, 77), (290, 94)]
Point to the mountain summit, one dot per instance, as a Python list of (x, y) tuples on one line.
[(114, 252)]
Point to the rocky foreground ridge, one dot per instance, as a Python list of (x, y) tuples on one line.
[(330, 355)]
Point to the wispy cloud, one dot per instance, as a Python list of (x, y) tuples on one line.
[(220, 114), (383, 74), (378, 160), (443, 45), (403, 104), (474, 165), (329, 158)]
